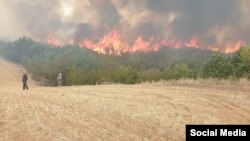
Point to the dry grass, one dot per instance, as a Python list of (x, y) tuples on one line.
[(152, 112), (237, 84)]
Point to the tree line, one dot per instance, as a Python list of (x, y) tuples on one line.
[(81, 66)]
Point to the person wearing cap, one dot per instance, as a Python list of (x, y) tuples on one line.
[(59, 79)]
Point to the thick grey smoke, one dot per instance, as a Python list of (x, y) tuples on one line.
[(211, 21)]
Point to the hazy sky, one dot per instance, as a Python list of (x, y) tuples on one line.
[(212, 21)]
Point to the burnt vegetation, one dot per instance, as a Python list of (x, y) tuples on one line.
[(81, 66)]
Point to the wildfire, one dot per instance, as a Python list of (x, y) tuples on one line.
[(113, 44), (233, 47), (72, 42), (54, 41), (193, 43), (109, 44)]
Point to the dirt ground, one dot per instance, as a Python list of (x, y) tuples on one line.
[(145, 112)]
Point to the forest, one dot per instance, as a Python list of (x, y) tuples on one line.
[(81, 66)]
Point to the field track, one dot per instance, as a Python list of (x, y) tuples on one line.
[(145, 112)]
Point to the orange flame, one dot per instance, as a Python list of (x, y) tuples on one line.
[(72, 42), (109, 44), (113, 44), (54, 41), (233, 47), (193, 43)]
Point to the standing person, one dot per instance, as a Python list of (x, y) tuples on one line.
[(24, 80), (59, 79)]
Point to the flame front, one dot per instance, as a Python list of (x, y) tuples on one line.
[(53, 41), (114, 44), (109, 44)]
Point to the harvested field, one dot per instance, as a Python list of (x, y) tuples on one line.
[(145, 112)]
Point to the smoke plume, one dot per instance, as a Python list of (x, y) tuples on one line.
[(214, 24)]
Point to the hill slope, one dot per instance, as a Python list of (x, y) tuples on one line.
[(113, 112)]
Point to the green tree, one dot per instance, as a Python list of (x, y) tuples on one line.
[(180, 71), (241, 62), (245, 57), (127, 75), (217, 67)]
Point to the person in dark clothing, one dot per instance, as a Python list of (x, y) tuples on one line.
[(24, 80)]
